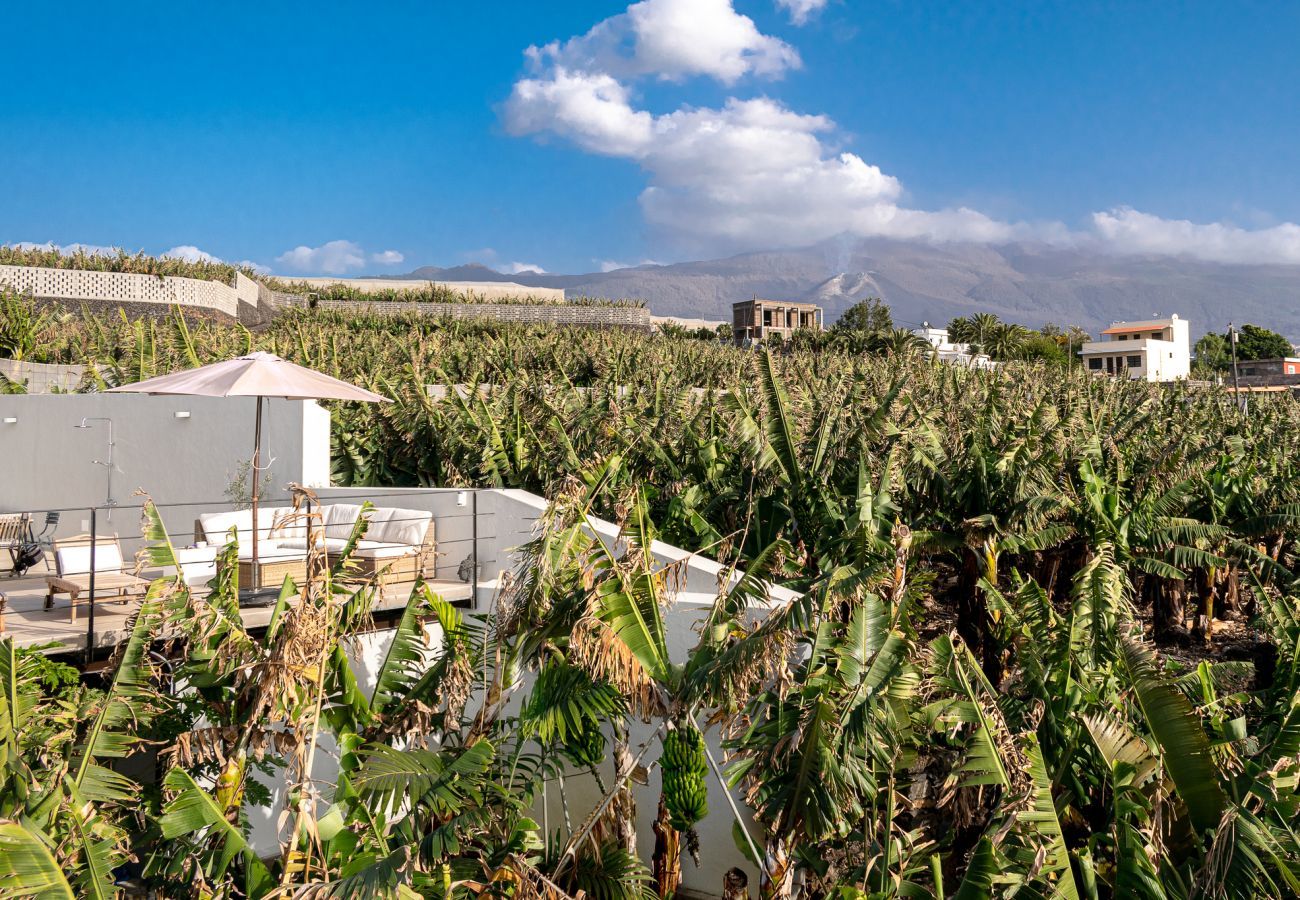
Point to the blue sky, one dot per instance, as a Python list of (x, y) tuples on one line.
[(675, 129)]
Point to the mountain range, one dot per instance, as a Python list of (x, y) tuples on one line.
[(1020, 282)]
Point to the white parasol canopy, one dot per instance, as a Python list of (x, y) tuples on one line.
[(257, 375)]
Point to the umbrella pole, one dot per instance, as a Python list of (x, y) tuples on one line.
[(257, 459)]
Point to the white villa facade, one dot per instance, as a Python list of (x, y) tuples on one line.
[(1149, 350), (947, 351)]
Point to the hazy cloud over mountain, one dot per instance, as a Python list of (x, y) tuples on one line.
[(753, 172)]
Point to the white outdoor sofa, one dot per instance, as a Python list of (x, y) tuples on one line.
[(398, 544)]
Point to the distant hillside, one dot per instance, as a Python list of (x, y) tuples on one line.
[(1025, 283)]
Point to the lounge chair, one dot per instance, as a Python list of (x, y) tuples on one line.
[(72, 566), (15, 531)]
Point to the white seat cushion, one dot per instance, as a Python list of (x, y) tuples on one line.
[(76, 560), (335, 545), (331, 545), (270, 552), (217, 525), (339, 519), (289, 524), (386, 551), (394, 525)]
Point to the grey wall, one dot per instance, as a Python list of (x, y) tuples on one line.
[(46, 463)]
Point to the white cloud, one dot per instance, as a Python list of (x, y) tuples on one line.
[(755, 173), (387, 258), (1127, 230), (801, 10), (68, 249), (190, 253), (333, 258), (592, 109), (613, 265), (255, 266), (519, 268), (673, 40), (752, 173)]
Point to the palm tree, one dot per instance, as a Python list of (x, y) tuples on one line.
[(1003, 340), (898, 342)]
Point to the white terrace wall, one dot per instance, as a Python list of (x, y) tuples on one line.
[(47, 464), (506, 521), (121, 287)]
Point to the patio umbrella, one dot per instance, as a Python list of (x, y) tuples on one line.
[(259, 375)]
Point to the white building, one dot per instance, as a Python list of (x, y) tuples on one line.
[(1150, 350), (947, 351)]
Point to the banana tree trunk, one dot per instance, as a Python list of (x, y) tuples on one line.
[(1205, 589), (735, 885), (778, 880), (1168, 609), (623, 807), (667, 864)]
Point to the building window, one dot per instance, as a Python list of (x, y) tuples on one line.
[(1123, 337), (1095, 364), (767, 317), (1135, 362)]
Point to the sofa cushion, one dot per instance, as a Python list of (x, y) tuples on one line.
[(270, 551), (339, 518), (335, 545), (290, 524), (394, 525), (386, 551), (331, 545), (216, 525), (76, 560)]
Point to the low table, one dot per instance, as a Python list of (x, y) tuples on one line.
[(121, 584), (272, 572)]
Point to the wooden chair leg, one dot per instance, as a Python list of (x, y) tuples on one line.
[(73, 596)]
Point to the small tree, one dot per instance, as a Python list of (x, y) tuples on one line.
[(978, 330), (870, 315), (1255, 342), (1212, 353), (1039, 346)]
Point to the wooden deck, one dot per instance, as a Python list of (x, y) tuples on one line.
[(29, 624)]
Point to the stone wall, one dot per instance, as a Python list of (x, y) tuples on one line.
[(539, 314), (254, 304)]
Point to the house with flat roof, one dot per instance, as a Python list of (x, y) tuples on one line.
[(947, 351), (1149, 350), (755, 321), (1284, 365)]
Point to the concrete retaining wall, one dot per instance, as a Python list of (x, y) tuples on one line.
[(255, 304), (491, 290), (43, 378), (541, 314)]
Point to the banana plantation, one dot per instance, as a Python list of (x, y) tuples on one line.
[(1045, 640)]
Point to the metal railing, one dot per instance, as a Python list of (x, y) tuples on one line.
[(85, 563)]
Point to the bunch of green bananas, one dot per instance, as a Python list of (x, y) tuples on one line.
[(684, 769), (587, 748)]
